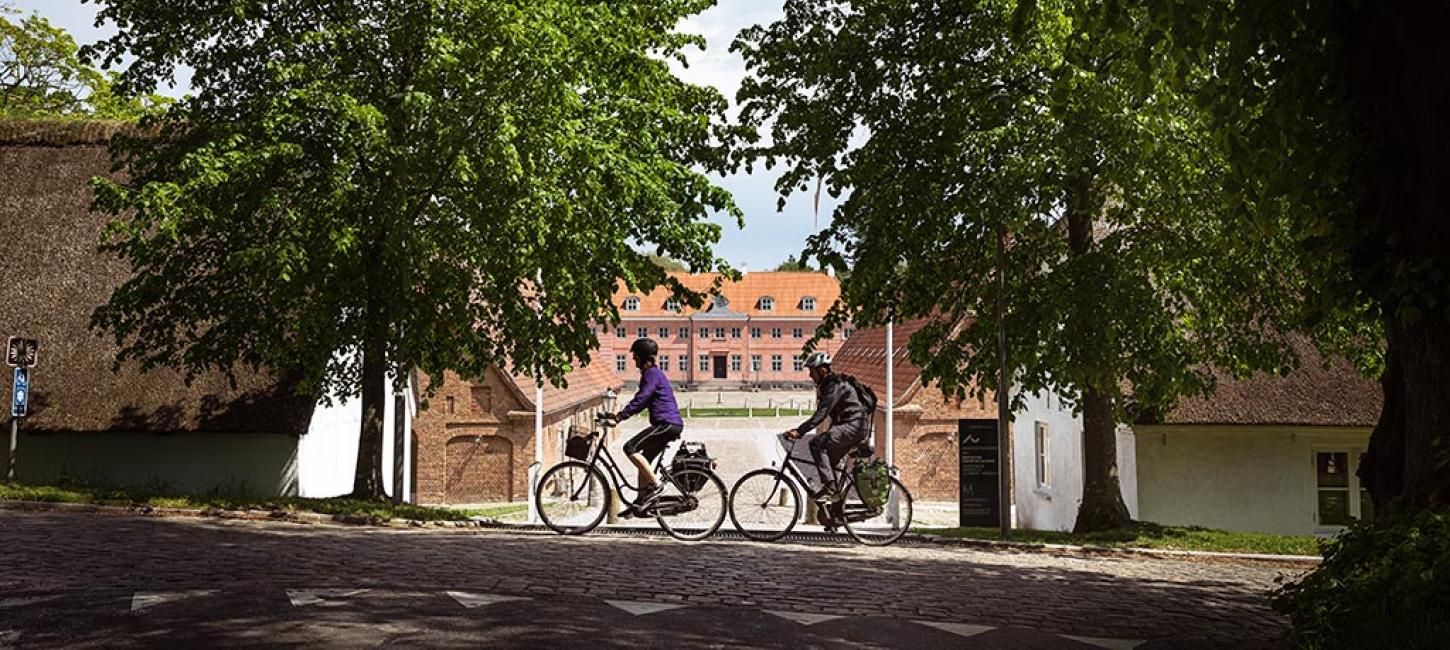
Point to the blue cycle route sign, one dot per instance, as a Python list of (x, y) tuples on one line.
[(20, 397)]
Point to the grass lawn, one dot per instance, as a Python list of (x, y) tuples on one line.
[(332, 506), (1150, 535)]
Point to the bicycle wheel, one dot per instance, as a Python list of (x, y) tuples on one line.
[(573, 498), (875, 526), (765, 505), (692, 504)]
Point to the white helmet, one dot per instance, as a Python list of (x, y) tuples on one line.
[(818, 359)]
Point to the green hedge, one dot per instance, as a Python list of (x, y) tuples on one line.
[(1385, 586)]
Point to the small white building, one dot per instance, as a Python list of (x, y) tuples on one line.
[(1047, 464)]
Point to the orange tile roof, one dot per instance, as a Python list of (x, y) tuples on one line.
[(864, 355), (585, 383), (787, 288)]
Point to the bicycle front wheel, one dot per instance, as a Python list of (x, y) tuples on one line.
[(692, 504), (573, 498), (765, 505), (881, 525)]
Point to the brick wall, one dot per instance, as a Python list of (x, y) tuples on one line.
[(925, 449)]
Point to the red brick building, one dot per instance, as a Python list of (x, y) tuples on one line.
[(476, 438), (749, 335), (925, 430)]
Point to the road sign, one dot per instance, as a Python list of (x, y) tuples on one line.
[(21, 351), (20, 396)]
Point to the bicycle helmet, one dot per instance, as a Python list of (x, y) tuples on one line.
[(645, 348), (818, 359)]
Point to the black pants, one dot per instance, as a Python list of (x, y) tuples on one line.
[(833, 445), (652, 441)]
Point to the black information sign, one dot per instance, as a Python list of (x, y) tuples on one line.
[(977, 480)]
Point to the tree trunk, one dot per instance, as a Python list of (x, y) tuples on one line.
[(368, 478), (1407, 466), (1102, 505)]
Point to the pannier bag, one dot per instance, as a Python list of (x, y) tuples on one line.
[(577, 448), (692, 455), (873, 482)]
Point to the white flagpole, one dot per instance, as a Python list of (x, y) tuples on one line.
[(893, 515), (538, 467)]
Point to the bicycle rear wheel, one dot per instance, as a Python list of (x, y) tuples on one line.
[(692, 505), (765, 505), (877, 526), (573, 498)]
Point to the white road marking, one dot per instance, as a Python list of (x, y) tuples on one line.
[(1110, 644), (960, 629), (471, 600), (145, 599), (802, 618), (22, 601), (639, 608), (304, 597)]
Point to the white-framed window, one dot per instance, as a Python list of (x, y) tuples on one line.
[(684, 332), (734, 363), (755, 332), (798, 363), (619, 332), (619, 363), (664, 332), (665, 362), (776, 362), (704, 363), (775, 332), (719, 332), (642, 332), (798, 332), (1341, 499), (631, 303), (734, 332), (704, 332), (1042, 451), (672, 305), (754, 363), (767, 303), (848, 332), (808, 303)]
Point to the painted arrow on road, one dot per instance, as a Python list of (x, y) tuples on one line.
[(639, 608), (471, 600), (146, 599), (323, 597), (802, 617)]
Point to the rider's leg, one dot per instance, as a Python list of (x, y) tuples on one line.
[(647, 478)]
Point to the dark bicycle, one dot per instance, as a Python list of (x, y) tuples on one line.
[(766, 504), (573, 497)]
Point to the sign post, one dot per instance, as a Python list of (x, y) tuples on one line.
[(978, 471), (20, 353)]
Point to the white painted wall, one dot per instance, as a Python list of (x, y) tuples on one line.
[(1054, 506), (327, 453), (1244, 478)]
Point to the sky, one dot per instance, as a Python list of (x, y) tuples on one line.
[(767, 239)]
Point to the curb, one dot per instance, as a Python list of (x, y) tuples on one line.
[(1294, 561)]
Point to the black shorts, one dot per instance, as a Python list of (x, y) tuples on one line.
[(652, 441)]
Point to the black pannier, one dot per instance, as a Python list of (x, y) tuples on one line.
[(577, 447), (692, 455)]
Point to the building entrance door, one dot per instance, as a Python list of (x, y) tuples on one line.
[(719, 366)]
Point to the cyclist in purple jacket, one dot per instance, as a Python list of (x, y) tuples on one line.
[(665, 424)]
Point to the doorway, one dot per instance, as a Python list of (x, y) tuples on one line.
[(719, 366)]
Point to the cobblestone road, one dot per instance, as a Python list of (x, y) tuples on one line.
[(75, 559)]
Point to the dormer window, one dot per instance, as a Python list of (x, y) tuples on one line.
[(672, 305), (631, 303), (767, 303), (720, 302), (808, 303)]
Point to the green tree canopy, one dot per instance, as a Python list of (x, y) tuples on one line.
[(1030, 139), (793, 264), (43, 75), (356, 189)]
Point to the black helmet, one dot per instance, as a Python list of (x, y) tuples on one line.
[(645, 348)]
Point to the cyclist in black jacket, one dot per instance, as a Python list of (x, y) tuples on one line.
[(837, 400)]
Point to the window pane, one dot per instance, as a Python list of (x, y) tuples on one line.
[(1333, 469), (1334, 507)]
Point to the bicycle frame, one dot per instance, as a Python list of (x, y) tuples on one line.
[(599, 454), (842, 473)]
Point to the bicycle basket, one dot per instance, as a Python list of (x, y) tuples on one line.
[(873, 482), (578, 447), (692, 455)]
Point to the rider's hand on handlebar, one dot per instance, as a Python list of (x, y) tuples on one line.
[(792, 434)]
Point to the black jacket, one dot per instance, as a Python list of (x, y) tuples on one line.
[(838, 400)]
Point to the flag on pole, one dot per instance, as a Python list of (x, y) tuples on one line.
[(820, 180)]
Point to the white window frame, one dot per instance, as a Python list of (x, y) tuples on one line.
[(704, 332), (684, 332), (846, 333), (734, 332), (620, 332), (664, 332), (777, 362), (798, 363), (755, 362), (756, 332), (1354, 489), (631, 303), (704, 363), (1042, 453), (665, 362), (641, 332), (719, 332), (767, 303), (808, 303), (775, 332), (672, 305), (797, 332), (619, 363), (735, 363)]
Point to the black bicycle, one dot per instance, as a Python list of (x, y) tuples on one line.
[(766, 504), (573, 497)]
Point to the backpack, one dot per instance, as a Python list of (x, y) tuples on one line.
[(868, 396)]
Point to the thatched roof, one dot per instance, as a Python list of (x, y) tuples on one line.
[(55, 278)]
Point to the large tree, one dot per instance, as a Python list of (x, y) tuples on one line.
[(357, 188), (43, 76), (1021, 142)]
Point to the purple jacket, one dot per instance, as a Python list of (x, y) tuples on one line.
[(656, 395)]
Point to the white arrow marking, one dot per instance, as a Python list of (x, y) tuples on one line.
[(143, 600), (25, 600), (1110, 644), (470, 600), (960, 629), (304, 597), (803, 618), (640, 608)]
